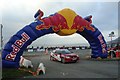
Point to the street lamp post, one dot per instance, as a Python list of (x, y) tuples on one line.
[(1, 37), (1, 50), (111, 51), (111, 35)]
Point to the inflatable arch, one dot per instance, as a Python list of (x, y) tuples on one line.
[(64, 22)]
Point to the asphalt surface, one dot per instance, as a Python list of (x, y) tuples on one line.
[(82, 69)]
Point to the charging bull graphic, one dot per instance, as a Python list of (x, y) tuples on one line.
[(63, 23)]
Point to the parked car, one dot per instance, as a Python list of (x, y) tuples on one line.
[(63, 55), (113, 48)]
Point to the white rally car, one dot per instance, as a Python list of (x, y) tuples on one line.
[(63, 55)]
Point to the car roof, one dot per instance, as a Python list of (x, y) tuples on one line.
[(61, 49)]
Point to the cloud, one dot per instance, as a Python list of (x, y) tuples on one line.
[(107, 16), (56, 40)]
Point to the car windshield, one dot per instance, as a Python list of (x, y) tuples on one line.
[(63, 51)]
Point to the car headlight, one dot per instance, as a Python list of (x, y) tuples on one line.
[(67, 57)]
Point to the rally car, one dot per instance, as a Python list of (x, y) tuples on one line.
[(63, 55)]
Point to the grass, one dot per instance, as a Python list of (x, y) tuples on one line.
[(15, 73)]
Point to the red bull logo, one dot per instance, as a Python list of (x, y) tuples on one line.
[(65, 22), (80, 23), (57, 22)]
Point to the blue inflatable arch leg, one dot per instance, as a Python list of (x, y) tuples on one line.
[(19, 42), (96, 41)]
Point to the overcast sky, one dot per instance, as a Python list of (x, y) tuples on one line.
[(18, 13)]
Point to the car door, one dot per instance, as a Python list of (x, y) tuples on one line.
[(57, 55)]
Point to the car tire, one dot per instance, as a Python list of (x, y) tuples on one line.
[(112, 54), (63, 60), (76, 61), (51, 58)]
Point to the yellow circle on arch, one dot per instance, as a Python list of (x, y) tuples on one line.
[(69, 15)]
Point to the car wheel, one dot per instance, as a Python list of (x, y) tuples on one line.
[(76, 61), (63, 60), (51, 58)]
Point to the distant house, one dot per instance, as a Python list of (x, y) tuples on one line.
[(115, 43)]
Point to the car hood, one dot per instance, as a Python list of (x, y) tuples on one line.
[(72, 54)]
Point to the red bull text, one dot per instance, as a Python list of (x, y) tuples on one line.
[(16, 47), (102, 43)]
